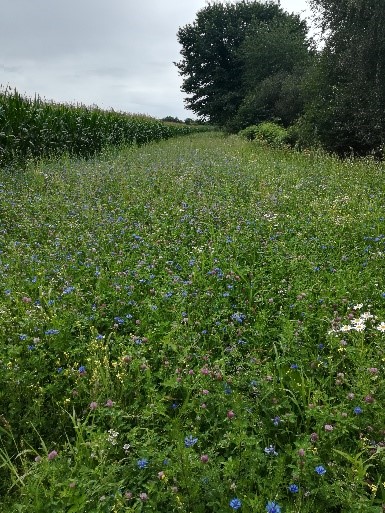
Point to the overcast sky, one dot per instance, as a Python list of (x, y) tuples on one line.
[(113, 53)]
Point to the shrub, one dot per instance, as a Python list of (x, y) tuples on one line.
[(249, 133), (267, 132)]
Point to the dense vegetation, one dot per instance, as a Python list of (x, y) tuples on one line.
[(346, 89), (31, 128), (248, 62), (242, 63), (193, 326)]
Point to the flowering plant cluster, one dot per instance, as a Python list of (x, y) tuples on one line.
[(192, 327)]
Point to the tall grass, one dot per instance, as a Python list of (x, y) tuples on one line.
[(34, 128)]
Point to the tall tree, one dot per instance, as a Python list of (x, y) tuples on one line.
[(347, 111), (216, 68), (275, 57)]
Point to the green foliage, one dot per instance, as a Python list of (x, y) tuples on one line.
[(275, 56), (345, 108), (249, 133), (189, 323), (267, 132), (230, 56), (34, 129)]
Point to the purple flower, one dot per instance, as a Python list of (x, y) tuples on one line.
[(52, 455)]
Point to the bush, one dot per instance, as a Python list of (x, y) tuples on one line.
[(266, 132), (249, 133)]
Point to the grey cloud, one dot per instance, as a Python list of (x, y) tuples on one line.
[(113, 53)]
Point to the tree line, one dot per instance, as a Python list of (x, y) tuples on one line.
[(249, 62)]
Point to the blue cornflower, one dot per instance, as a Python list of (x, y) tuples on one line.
[(293, 488), (239, 317), (189, 441), (271, 451), (235, 503), (357, 410), (119, 320), (22, 336), (31, 347), (142, 463), (227, 389), (82, 369), (52, 332), (68, 290), (294, 366), (276, 420), (273, 507), (320, 470)]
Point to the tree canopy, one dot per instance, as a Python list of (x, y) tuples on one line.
[(228, 53), (248, 62), (345, 105)]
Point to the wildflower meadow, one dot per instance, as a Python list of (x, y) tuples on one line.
[(195, 325)]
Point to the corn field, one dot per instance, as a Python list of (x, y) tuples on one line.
[(31, 128)]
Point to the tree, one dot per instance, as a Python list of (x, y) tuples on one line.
[(346, 110), (221, 63), (275, 57)]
